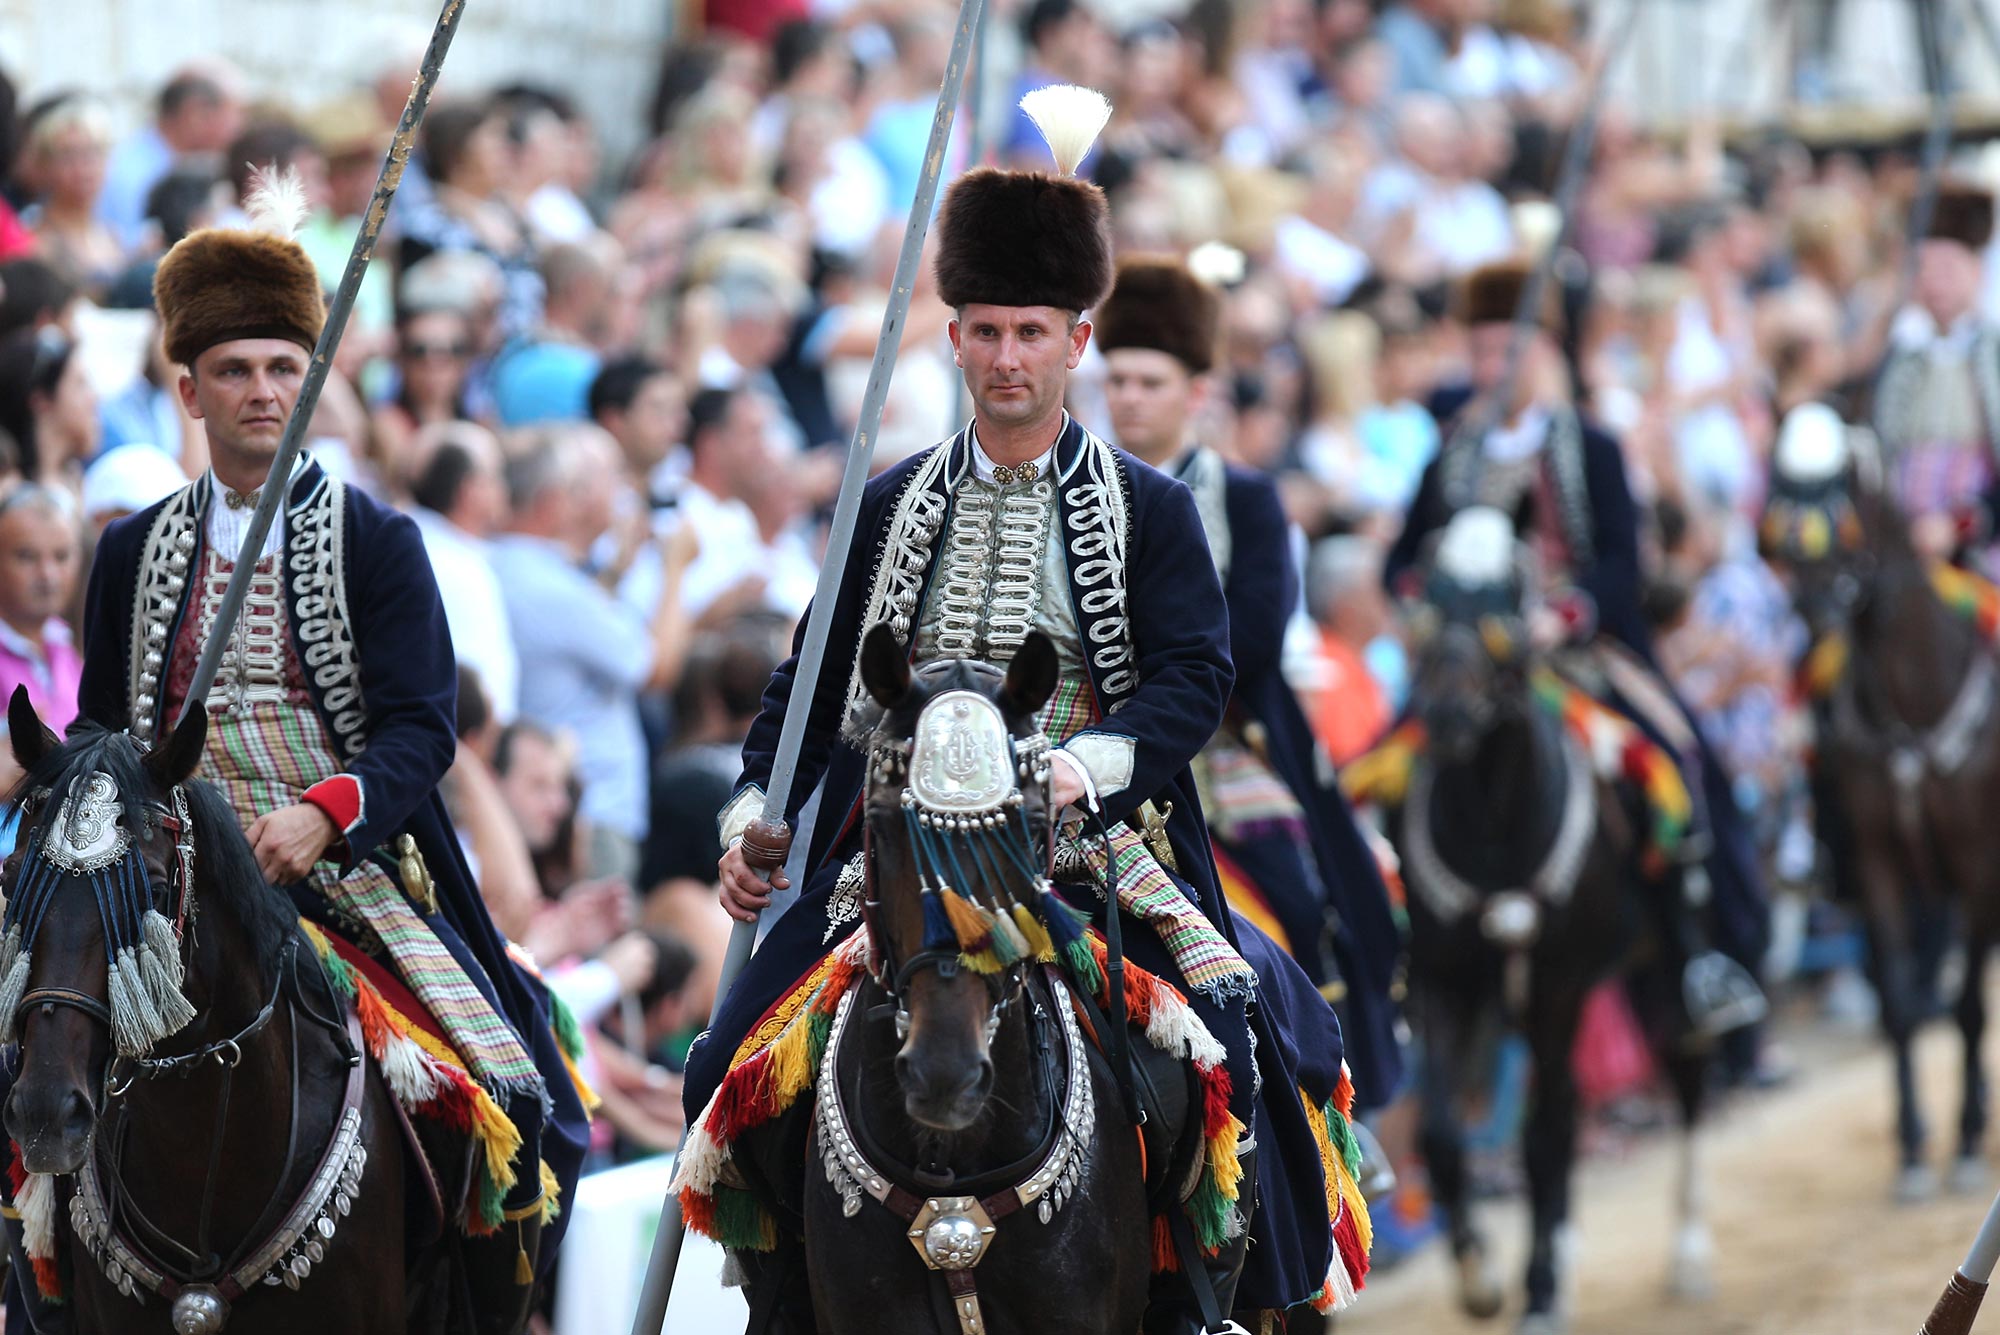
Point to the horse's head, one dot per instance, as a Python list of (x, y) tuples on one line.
[(957, 811), (1828, 520), (1474, 648), (98, 892)]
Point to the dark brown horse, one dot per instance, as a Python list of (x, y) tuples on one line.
[(1908, 762), (183, 1164), (973, 1091), (1524, 895)]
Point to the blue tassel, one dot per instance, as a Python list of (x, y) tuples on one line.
[(938, 934), (1065, 924)]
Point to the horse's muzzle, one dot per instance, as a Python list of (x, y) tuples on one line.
[(52, 1126), (944, 1096)]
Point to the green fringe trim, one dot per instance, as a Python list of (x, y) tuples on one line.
[(1081, 965), (741, 1221), (492, 1200), (1210, 1212), (339, 972), (1344, 1140), (569, 1034)]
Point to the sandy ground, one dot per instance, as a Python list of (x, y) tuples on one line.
[(1807, 1239)]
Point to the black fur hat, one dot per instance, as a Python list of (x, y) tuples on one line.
[(1009, 238), (1157, 303), (1491, 294), (1964, 213)]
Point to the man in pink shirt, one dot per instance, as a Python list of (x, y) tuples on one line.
[(38, 561)]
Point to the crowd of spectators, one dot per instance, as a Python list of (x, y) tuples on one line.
[(613, 392)]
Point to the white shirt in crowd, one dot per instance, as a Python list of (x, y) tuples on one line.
[(474, 609)]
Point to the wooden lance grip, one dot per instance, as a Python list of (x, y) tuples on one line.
[(1956, 1307), (766, 844)]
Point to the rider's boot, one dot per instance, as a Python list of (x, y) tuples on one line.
[(1720, 995), (500, 1275), (1180, 1313)]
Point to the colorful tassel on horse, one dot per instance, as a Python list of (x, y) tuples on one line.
[(1040, 945), (13, 980), (35, 1205), (938, 933), (1347, 1211)]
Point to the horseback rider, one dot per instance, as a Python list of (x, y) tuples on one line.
[(1025, 521), (1937, 395), (1562, 479), (1274, 807), (332, 717)]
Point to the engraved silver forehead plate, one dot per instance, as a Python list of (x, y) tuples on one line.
[(87, 833), (960, 759)]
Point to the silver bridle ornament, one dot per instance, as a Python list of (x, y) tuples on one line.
[(87, 833)]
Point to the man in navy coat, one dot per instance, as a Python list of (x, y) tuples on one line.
[(332, 719), (1107, 558), (1563, 480), (1274, 807)]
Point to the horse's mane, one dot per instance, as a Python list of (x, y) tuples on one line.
[(226, 872)]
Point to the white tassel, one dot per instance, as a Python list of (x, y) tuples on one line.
[(277, 201), (700, 1163), (14, 965), (162, 993), (1344, 1295), (158, 935), (408, 1071), (1070, 119), (37, 1206), (1175, 1029), (134, 1026)]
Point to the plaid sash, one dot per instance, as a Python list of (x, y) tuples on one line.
[(264, 756), (1204, 956)]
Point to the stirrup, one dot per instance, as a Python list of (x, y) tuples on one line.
[(1720, 995)]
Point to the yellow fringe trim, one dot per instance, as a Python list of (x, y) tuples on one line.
[(499, 1139), (774, 1024), (1222, 1159), (1342, 1191), (591, 1103), (789, 1069)]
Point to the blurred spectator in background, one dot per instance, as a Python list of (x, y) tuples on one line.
[(546, 375), (466, 151), (38, 559), (47, 406), (33, 295), (1066, 43), (460, 492), (727, 450), (1350, 704), (68, 139), (585, 656), (718, 699), (197, 114), (434, 354)]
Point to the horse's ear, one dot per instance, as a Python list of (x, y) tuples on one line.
[(33, 742), (174, 763), (885, 665), (1031, 677)]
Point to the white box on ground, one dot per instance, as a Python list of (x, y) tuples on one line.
[(612, 1221)]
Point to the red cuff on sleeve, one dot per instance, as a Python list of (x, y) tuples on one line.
[(340, 798)]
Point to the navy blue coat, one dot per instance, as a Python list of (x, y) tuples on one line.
[(1262, 590), (1611, 575), (1179, 631), (400, 741)]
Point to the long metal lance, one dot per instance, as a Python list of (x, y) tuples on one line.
[(768, 839), (277, 483), (1575, 166)]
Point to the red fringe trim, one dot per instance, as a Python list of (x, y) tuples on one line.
[(1166, 1260), (47, 1278), (1353, 1256)]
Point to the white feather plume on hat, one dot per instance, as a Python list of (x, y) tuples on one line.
[(277, 201), (1070, 119)]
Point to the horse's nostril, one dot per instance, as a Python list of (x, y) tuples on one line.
[(76, 1110)]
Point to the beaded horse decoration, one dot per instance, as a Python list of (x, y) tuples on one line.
[(968, 829), (87, 842)]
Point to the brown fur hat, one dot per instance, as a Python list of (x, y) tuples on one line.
[(1964, 213), (220, 284), (1491, 294), (1023, 239), (1156, 303)]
